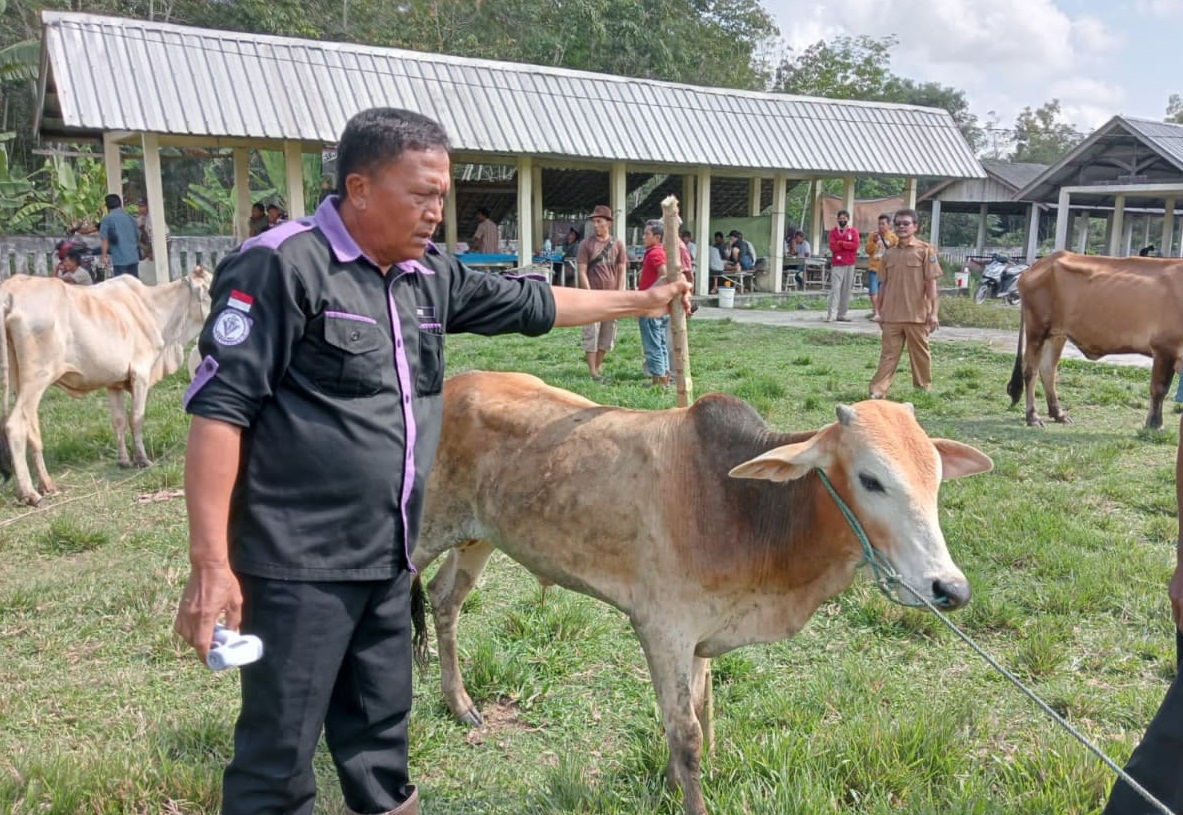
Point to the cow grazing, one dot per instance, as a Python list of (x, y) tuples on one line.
[(1105, 306), (708, 529), (120, 335)]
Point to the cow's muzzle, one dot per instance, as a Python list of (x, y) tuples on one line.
[(950, 594)]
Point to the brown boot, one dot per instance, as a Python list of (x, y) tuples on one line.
[(407, 807)]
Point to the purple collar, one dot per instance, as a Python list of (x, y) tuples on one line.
[(328, 219)]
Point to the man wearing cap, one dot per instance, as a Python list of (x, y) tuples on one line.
[(908, 304), (844, 244), (603, 265)]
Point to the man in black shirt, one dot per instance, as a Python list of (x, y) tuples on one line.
[(316, 414)]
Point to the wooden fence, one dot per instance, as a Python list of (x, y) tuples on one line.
[(34, 256), (960, 255)]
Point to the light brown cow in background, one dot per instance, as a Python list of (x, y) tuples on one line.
[(1105, 305), (120, 335), (708, 529)]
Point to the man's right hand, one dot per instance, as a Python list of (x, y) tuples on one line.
[(210, 593)]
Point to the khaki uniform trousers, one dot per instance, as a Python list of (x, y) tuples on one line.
[(895, 336)]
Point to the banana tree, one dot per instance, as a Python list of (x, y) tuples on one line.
[(22, 209)]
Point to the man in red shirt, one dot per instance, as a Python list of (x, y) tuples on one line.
[(844, 244), (653, 329)]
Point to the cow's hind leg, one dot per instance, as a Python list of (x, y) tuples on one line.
[(119, 425), (139, 407), (22, 431), (1049, 362), (451, 584), (1030, 367), (1161, 374), (675, 672)]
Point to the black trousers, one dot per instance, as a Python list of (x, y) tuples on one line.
[(1157, 761), (336, 656)]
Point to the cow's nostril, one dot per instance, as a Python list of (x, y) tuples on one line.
[(951, 593)]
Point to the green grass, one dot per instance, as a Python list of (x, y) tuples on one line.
[(872, 709)]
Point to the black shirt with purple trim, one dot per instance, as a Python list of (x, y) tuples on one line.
[(335, 373)]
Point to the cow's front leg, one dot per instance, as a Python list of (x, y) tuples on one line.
[(119, 425), (672, 668), (18, 432), (451, 584), (1161, 374), (48, 485), (139, 407), (704, 702)]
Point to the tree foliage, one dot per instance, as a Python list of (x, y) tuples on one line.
[(860, 68), (1041, 137), (1175, 109)]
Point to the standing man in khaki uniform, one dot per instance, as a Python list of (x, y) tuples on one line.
[(908, 304)]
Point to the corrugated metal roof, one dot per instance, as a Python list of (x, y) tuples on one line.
[(1014, 174), (202, 82), (1122, 142)]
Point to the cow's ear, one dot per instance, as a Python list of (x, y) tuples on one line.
[(958, 460), (785, 463)]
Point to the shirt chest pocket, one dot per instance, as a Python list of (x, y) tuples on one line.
[(353, 356)]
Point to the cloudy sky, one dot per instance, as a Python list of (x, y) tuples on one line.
[(1098, 57)]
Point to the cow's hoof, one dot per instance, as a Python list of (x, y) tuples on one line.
[(125, 463), (472, 717), (31, 498), (1034, 421), (1062, 419), (142, 463)]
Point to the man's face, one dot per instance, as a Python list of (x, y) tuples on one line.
[(884, 226), (601, 226), (400, 203), (272, 215), (648, 238), (69, 263), (905, 227), (843, 221)]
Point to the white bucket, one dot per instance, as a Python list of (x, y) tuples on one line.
[(962, 279), (726, 297)]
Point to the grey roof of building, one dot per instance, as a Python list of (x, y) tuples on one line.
[(115, 74), (1014, 174), (1154, 148)]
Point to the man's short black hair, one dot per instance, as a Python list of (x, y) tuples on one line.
[(273, 207), (842, 212), (735, 233), (484, 211), (113, 201), (718, 235), (380, 135), (75, 256)]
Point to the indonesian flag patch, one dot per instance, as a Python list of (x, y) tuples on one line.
[(241, 301)]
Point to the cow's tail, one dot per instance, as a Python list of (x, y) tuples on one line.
[(1014, 388), (6, 469), (421, 648)]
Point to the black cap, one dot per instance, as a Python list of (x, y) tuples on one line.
[(735, 233)]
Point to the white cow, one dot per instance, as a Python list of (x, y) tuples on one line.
[(120, 335)]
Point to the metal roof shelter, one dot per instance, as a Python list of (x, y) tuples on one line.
[(191, 87), (1127, 163), (994, 194)]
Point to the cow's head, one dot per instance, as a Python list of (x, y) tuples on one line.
[(888, 471), (200, 304)]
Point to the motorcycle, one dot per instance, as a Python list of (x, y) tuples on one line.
[(1000, 279)]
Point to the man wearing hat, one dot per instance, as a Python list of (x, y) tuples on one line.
[(603, 264)]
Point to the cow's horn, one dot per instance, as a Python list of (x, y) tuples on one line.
[(846, 415)]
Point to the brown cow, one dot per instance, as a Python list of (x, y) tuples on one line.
[(708, 529), (1105, 306), (120, 335)]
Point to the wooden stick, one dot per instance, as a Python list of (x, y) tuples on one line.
[(672, 222)]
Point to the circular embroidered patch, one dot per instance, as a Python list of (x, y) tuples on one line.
[(232, 327)]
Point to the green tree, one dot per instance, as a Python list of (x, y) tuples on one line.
[(1175, 109), (1041, 137)]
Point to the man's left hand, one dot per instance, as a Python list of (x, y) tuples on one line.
[(932, 323)]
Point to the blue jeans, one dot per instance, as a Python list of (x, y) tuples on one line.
[(132, 269), (657, 352)]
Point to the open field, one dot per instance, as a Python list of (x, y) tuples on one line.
[(872, 709)]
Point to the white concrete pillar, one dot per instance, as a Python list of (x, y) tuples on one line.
[(983, 214), (1062, 221), (848, 196), (293, 162), (688, 206), (113, 165), (525, 209), (618, 195), (1127, 238), (704, 237), (910, 193), (934, 230), (753, 197), (1032, 231), (1082, 232), (451, 228), (1168, 229), (536, 207), (155, 195), (242, 194), (817, 195), (776, 244), (1118, 225)]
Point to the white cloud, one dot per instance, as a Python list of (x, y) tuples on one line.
[(1005, 54), (1165, 9)]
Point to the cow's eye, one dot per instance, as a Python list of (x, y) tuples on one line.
[(871, 483)]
